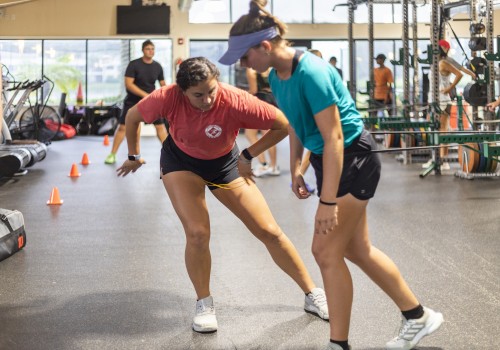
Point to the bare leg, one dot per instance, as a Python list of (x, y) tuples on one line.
[(251, 135), (161, 132), (118, 138), (380, 268), (443, 126), (273, 156), (187, 194), (248, 204), (350, 239)]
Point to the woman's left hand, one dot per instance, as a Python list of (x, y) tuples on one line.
[(326, 219), (245, 168)]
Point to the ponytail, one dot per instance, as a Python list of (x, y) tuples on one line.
[(257, 19)]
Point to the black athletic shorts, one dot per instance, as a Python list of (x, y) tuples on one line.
[(381, 103), (127, 104), (219, 171), (360, 172)]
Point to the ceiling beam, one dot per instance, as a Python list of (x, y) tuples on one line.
[(14, 3)]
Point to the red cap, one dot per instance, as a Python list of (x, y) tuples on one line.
[(444, 44)]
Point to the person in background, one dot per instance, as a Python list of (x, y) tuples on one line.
[(258, 85), (493, 105), (447, 93), (323, 118), (383, 79), (1, 103), (333, 62), (205, 117), (445, 45), (140, 78)]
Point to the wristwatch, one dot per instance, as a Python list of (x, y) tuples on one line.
[(134, 157)]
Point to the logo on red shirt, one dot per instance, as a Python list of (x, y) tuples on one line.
[(213, 131)]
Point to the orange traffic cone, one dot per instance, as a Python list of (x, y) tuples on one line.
[(55, 199), (79, 95), (106, 140), (74, 171), (85, 159)]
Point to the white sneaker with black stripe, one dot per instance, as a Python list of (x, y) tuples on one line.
[(204, 320), (333, 346), (315, 303), (412, 331)]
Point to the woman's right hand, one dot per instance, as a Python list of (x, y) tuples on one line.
[(129, 166), (299, 187)]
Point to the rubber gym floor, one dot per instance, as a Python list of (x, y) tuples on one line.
[(105, 270)]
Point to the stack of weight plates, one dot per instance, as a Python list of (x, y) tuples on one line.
[(472, 160)]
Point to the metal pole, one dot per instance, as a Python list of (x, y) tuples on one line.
[(406, 77), (491, 64), (370, 51), (406, 62), (473, 17), (434, 83), (416, 82), (352, 62)]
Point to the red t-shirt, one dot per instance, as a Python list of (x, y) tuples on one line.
[(210, 134)]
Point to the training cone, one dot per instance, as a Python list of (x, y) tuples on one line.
[(55, 199), (85, 159), (79, 95), (106, 140), (74, 171)]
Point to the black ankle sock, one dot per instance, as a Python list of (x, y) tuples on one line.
[(413, 313), (343, 343)]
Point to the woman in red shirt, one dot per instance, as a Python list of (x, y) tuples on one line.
[(205, 117)]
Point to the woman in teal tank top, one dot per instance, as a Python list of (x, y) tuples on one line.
[(324, 119)]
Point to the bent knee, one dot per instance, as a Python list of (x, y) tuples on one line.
[(325, 256), (269, 234), (358, 257), (198, 236)]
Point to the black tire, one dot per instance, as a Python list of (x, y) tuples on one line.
[(41, 132)]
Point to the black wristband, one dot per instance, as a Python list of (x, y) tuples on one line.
[(327, 203), (246, 154)]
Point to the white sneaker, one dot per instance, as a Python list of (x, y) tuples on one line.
[(204, 320), (275, 171), (262, 171), (445, 166), (412, 331), (333, 346), (315, 303), (428, 164)]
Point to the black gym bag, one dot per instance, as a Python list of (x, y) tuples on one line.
[(12, 234)]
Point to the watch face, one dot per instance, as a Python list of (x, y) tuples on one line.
[(134, 157)]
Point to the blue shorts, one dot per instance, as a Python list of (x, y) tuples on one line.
[(360, 171), (220, 171)]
